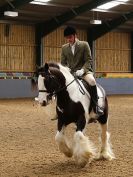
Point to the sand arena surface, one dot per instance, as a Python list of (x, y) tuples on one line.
[(28, 148)]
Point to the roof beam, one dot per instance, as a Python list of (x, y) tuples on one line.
[(54, 23), (100, 30), (58, 4), (14, 5)]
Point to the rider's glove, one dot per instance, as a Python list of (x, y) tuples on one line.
[(80, 72)]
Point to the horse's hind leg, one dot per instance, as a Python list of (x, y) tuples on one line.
[(61, 139), (106, 151)]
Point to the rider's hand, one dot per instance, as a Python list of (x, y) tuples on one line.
[(79, 72)]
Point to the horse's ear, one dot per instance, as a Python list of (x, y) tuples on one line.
[(37, 68), (46, 67)]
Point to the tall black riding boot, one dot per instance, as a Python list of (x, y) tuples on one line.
[(94, 97)]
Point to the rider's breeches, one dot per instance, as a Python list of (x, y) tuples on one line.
[(89, 78)]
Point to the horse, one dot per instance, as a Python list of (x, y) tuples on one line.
[(73, 105)]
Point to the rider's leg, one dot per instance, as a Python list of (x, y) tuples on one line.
[(91, 81)]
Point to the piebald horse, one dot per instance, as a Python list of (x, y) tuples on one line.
[(73, 105)]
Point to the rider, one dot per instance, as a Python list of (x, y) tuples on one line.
[(76, 55)]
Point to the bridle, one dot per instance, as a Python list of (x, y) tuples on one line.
[(59, 90), (54, 93)]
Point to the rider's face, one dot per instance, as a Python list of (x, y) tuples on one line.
[(71, 39)]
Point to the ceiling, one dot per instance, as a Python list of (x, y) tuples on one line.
[(34, 14)]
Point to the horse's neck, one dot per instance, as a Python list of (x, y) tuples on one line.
[(72, 88)]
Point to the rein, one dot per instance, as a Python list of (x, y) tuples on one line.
[(81, 88)]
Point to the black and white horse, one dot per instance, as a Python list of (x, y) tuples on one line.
[(73, 103)]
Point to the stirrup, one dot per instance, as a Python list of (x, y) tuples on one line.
[(99, 111)]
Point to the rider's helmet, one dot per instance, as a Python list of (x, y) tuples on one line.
[(69, 30)]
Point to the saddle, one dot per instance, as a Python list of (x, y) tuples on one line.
[(88, 88), (92, 90)]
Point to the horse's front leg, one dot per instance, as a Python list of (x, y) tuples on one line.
[(83, 149), (62, 140)]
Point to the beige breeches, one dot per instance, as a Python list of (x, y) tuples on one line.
[(89, 78)]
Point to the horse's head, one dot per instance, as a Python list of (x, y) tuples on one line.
[(49, 81)]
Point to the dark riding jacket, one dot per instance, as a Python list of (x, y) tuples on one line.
[(80, 59)]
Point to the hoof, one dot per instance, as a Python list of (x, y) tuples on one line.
[(105, 156), (83, 159), (81, 162), (66, 150), (68, 154)]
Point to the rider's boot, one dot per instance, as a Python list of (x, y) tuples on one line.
[(94, 97)]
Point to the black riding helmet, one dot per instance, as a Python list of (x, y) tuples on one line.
[(69, 30)]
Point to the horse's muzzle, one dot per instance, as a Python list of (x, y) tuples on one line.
[(44, 103)]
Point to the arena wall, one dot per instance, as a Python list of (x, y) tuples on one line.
[(17, 54), (113, 52), (53, 42), (17, 48)]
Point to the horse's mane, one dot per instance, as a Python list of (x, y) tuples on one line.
[(55, 67), (53, 64), (64, 69)]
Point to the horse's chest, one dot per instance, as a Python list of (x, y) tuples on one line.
[(71, 110)]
